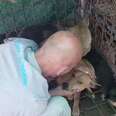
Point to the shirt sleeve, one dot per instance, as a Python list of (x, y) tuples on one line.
[(24, 41)]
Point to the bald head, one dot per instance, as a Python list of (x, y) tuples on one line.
[(61, 50), (64, 43)]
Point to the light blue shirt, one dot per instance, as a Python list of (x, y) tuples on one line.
[(23, 89)]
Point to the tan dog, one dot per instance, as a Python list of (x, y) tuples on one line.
[(82, 31), (80, 78)]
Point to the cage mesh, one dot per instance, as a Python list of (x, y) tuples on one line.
[(103, 27), (102, 15)]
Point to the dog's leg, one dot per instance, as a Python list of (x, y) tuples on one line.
[(76, 110)]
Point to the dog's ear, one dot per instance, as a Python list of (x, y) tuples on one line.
[(82, 31), (85, 21)]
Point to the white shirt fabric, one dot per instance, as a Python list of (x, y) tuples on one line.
[(23, 89)]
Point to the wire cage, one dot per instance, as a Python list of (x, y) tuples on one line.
[(102, 19), (102, 15)]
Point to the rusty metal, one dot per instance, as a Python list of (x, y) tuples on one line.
[(102, 15)]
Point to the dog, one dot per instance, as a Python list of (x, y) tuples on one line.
[(78, 79), (104, 73), (81, 30)]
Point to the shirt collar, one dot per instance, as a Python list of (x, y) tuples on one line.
[(30, 57)]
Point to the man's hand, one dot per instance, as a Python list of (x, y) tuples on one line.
[(61, 92)]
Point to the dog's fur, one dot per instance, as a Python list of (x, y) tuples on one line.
[(82, 31), (80, 78), (104, 74)]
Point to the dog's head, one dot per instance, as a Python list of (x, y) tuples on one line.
[(80, 78)]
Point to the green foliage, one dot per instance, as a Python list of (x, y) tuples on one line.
[(24, 13)]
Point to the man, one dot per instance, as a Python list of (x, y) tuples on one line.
[(25, 71)]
